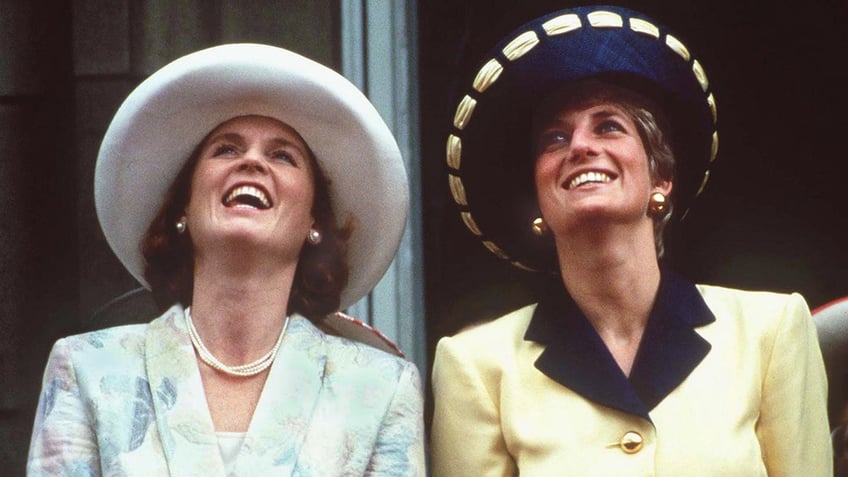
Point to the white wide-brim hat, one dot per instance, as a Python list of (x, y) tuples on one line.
[(168, 115)]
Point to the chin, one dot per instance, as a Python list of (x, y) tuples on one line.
[(241, 236), (598, 213)]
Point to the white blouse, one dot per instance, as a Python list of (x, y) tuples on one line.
[(229, 443)]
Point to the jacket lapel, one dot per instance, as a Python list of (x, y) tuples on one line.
[(179, 401), (576, 357), (670, 348), (282, 416)]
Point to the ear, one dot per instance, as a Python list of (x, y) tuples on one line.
[(662, 186)]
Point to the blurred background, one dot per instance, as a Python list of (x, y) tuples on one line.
[(773, 216)]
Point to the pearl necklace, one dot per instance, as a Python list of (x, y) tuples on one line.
[(244, 370)]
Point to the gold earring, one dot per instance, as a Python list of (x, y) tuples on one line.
[(657, 204), (539, 226), (181, 225)]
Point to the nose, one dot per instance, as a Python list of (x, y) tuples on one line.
[(582, 145), (253, 164)]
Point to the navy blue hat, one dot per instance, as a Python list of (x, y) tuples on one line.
[(489, 149)]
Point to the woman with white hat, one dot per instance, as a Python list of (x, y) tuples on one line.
[(583, 132), (254, 192)]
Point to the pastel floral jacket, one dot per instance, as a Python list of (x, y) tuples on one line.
[(129, 401)]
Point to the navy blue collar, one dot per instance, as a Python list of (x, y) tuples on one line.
[(576, 357)]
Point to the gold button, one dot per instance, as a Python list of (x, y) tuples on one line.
[(631, 442)]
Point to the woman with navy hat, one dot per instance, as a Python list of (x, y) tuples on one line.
[(238, 183), (582, 134)]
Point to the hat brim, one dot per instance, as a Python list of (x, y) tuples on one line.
[(166, 116), (489, 150)]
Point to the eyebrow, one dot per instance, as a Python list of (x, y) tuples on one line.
[(225, 137), (607, 112), (275, 142)]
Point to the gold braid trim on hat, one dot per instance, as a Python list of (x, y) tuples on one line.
[(518, 47)]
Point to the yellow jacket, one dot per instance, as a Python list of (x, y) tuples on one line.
[(725, 383)]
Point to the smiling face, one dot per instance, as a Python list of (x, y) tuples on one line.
[(591, 164), (253, 184)]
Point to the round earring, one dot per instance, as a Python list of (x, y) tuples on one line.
[(539, 226), (314, 237), (657, 204), (181, 225)]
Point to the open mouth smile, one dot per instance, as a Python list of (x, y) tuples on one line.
[(247, 196), (588, 177)]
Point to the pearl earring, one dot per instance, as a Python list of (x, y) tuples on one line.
[(314, 237), (181, 225)]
